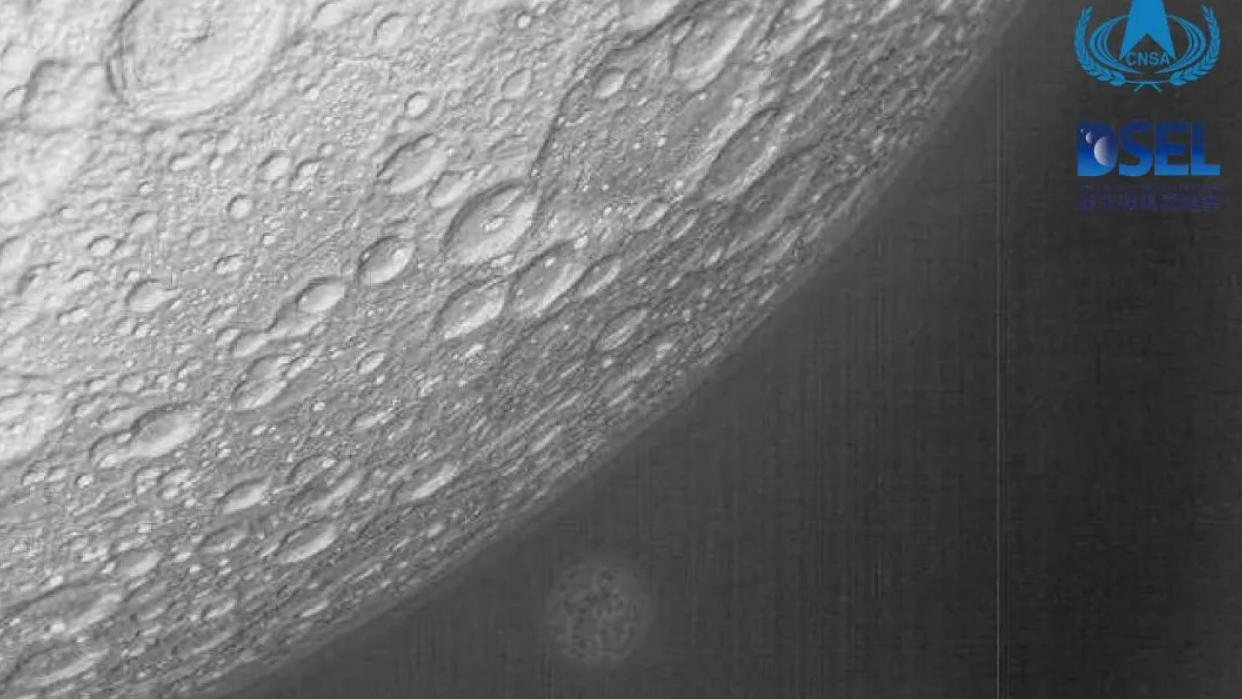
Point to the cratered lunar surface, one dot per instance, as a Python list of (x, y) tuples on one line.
[(301, 303)]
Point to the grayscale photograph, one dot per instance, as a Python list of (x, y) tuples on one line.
[(620, 349)]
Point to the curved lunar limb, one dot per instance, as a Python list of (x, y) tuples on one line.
[(301, 303)]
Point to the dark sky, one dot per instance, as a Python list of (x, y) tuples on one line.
[(993, 432)]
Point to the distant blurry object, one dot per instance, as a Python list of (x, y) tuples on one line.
[(598, 612)]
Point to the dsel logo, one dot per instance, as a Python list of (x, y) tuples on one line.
[(1161, 146)]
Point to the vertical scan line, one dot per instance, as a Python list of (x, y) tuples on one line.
[(999, 175)]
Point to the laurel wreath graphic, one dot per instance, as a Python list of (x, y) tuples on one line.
[(1116, 78), (1094, 69), (1208, 62)]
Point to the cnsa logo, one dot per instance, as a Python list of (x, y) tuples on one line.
[(1155, 49)]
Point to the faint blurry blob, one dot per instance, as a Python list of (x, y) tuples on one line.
[(598, 612)]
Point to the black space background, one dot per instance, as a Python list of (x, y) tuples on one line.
[(992, 449)]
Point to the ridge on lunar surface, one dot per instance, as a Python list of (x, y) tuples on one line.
[(301, 303)]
